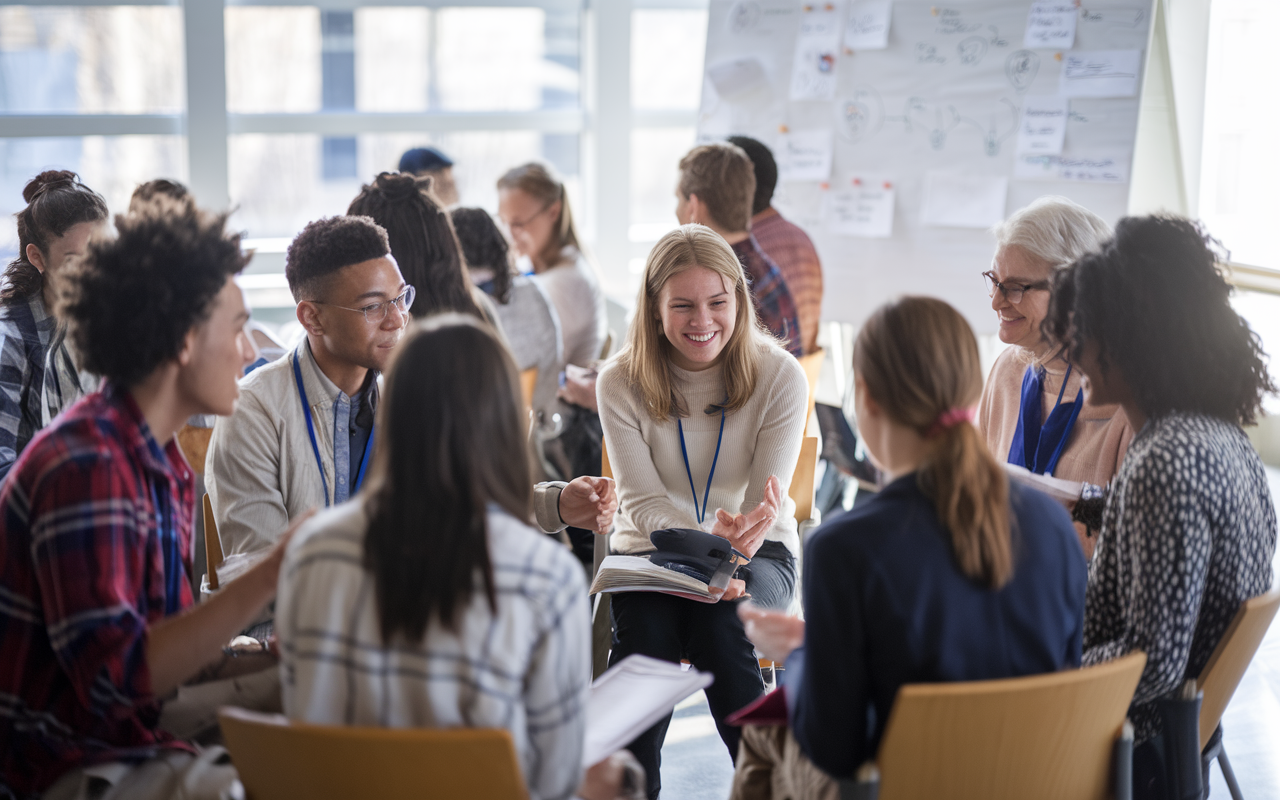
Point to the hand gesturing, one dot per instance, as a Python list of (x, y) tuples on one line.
[(747, 531)]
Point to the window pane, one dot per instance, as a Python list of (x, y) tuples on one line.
[(507, 59), (108, 59), (113, 165), (655, 160), (666, 58), (1240, 162), (279, 185), (401, 59), (273, 59)]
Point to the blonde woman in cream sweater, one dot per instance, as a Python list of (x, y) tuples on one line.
[(703, 414), (1033, 412)]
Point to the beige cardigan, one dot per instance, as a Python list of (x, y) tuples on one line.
[(261, 472), (1098, 441)]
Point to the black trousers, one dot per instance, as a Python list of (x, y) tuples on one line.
[(710, 636)]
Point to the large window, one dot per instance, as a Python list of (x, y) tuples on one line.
[(1241, 163), (292, 107)]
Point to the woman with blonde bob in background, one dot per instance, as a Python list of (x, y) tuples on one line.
[(703, 410), (1033, 412), (950, 573)]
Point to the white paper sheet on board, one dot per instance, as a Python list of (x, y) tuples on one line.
[(862, 207), (737, 77), (953, 200), (1051, 25), (804, 155), (1043, 126), (1100, 73), (868, 27), (1083, 169), (813, 72)]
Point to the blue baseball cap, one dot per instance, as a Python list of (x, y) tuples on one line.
[(424, 159)]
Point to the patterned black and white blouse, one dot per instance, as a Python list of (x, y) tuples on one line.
[(1188, 534)]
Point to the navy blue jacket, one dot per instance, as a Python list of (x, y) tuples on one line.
[(885, 604)]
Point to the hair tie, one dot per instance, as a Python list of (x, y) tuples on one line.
[(949, 419)]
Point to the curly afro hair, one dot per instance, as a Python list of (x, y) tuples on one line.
[(326, 246), (1156, 304), (130, 301)]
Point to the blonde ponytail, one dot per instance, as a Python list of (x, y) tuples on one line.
[(919, 360)]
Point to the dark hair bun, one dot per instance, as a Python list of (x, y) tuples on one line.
[(400, 185), (49, 180)]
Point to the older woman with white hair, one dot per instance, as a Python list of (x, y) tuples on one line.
[(1033, 411)]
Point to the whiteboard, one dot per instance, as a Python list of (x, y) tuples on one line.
[(944, 97)]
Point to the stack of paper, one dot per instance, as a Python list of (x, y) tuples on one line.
[(1065, 492), (631, 696)]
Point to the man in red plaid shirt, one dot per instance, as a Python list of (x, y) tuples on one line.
[(717, 184), (97, 622)]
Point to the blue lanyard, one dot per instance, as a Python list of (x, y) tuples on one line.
[(315, 448), (701, 512), (1066, 429)]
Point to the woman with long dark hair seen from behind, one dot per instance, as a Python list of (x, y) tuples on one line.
[(949, 573), (39, 377), (528, 317), (423, 244), (429, 601), (1189, 529)]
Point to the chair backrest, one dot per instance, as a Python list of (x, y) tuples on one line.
[(280, 760), (606, 471), (802, 488), (812, 364), (1231, 658), (528, 379), (212, 544), (1044, 736), (194, 443)]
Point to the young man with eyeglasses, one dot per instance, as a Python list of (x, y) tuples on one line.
[(302, 435)]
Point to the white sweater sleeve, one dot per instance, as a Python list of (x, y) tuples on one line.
[(778, 444)]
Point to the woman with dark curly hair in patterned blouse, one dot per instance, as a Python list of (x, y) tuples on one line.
[(1189, 530)]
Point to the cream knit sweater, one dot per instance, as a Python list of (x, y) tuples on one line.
[(760, 439)]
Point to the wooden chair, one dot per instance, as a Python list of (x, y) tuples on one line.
[(528, 379), (1220, 677), (212, 544), (1045, 736), (280, 760), (812, 364), (802, 481), (194, 443)]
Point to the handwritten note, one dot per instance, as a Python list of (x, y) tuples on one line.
[(813, 72), (868, 27), (737, 77), (1100, 73), (954, 200), (1082, 169), (863, 207), (804, 155), (1051, 25), (1043, 126)]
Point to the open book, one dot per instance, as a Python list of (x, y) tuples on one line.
[(1065, 492), (631, 696), (638, 574)]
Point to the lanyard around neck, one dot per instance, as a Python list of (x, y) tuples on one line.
[(315, 448), (701, 512)]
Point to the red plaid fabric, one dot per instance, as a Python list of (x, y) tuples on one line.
[(95, 546), (773, 302), (791, 249)]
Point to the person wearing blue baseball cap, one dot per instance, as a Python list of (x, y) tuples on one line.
[(430, 161)]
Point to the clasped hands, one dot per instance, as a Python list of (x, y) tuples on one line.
[(746, 532), (589, 503)]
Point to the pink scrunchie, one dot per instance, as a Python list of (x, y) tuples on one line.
[(949, 419)]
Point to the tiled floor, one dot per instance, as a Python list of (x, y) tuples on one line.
[(697, 767)]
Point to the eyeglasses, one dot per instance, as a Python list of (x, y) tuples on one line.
[(377, 312), (521, 225), (1012, 291)]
